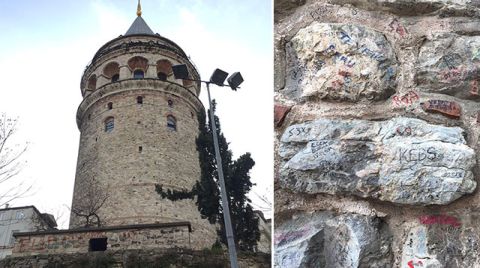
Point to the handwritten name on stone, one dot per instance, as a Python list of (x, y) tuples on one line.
[(448, 108), (401, 160)]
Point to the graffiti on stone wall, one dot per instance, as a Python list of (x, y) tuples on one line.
[(299, 131), (404, 131), (362, 48), (396, 27), (413, 264), (474, 88), (337, 56), (406, 155), (406, 99), (448, 108), (440, 219), (318, 13)]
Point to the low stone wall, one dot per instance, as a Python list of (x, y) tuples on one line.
[(146, 236), (138, 258)]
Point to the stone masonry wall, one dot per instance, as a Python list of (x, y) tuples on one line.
[(141, 150), (134, 258), (77, 241), (377, 119)]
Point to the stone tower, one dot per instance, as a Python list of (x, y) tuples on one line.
[(138, 127)]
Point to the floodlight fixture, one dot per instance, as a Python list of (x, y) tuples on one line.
[(180, 71), (218, 77), (235, 80)]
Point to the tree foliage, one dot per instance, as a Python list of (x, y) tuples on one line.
[(237, 181)]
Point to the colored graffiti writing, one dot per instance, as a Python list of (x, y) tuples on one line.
[(440, 219), (451, 60), (318, 13), (290, 236), (407, 99), (338, 56), (345, 78), (474, 88), (448, 108), (453, 74), (412, 264), (363, 49), (396, 27), (404, 131)]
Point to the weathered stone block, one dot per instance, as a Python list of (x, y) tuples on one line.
[(418, 7), (339, 62), (325, 240), (448, 108), (441, 241), (280, 111), (402, 160), (449, 64)]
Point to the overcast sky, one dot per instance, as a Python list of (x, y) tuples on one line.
[(46, 45)]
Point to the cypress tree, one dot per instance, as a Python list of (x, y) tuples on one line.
[(238, 184), (207, 191)]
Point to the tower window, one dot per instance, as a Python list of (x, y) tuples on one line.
[(138, 74), (140, 100), (111, 70), (162, 76), (109, 124), (171, 123), (97, 244), (170, 103), (115, 77), (92, 82), (140, 149), (110, 105)]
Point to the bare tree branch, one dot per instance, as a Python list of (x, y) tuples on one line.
[(89, 201), (10, 163)]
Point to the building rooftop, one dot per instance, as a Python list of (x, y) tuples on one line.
[(139, 26)]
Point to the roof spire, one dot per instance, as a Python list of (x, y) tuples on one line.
[(139, 9)]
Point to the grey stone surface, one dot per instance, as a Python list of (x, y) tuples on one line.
[(442, 241), (339, 62), (418, 7), (322, 239), (449, 64), (402, 160)]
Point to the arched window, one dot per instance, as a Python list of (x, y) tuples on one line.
[(162, 76), (138, 62), (170, 103), (109, 124), (110, 105), (138, 74), (164, 69), (92, 82), (112, 71), (171, 123), (115, 78), (140, 100)]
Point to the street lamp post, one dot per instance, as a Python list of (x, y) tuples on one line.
[(218, 78)]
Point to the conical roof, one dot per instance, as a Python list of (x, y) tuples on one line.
[(139, 26)]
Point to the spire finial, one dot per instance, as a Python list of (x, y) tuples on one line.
[(139, 9)]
